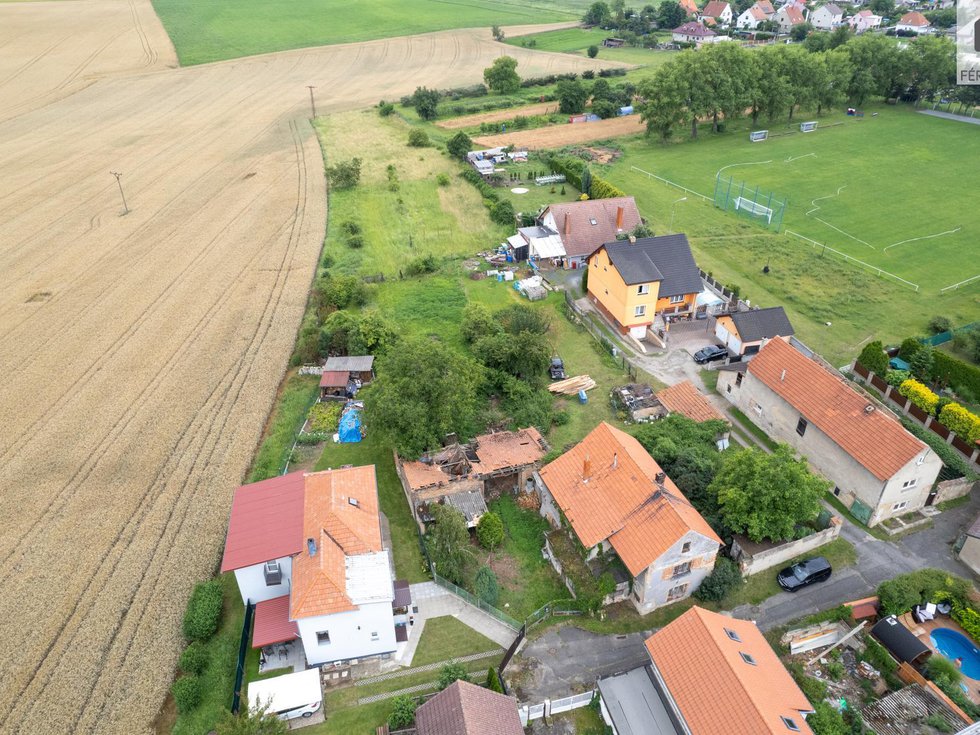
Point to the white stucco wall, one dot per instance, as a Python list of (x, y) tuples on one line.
[(653, 584), (779, 420), (350, 634), (549, 508), (252, 586)]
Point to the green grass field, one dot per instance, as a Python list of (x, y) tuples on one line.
[(893, 167), (577, 40), (213, 31)]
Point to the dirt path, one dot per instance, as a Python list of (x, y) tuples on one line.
[(555, 136), (141, 353)]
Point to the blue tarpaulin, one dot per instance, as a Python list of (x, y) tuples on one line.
[(350, 426), (897, 363)]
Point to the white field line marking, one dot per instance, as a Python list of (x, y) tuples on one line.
[(924, 237), (876, 269), (732, 165), (797, 158), (961, 283), (833, 227)]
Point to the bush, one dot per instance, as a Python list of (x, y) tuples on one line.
[(345, 175), (203, 611), (187, 693), (478, 322), (940, 667), (919, 395), (324, 417), (490, 530), (355, 242), (835, 670), (814, 689), (826, 720), (951, 371), (592, 51), (876, 655), (451, 672), (486, 586), (402, 713), (351, 227), (442, 179), (965, 424), (459, 145), (418, 138), (874, 358), (940, 324), (194, 658), (342, 291), (896, 377), (421, 265), (385, 108), (493, 681), (502, 212), (724, 578), (910, 346)]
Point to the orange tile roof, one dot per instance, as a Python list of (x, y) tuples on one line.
[(915, 18), (689, 5), (619, 499), (684, 398), (716, 690), (714, 9), (793, 14), (876, 440), (765, 6), (340, 529), (494, 452)]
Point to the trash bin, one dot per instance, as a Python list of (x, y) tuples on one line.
[(583, 397)]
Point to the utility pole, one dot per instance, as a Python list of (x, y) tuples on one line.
[(672, 207), (118, 177), (312, 102)]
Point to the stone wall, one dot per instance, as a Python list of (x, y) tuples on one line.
[(951, 489), (756, 557)]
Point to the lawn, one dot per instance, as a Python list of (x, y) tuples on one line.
[(221, 29), (409, 564), (447, 638), (295, 395), (403, 217), (527, 580), (577, 41), (835, 305)]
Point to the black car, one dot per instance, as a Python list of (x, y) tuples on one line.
[(557, 369), (710, 354), (806, 572)]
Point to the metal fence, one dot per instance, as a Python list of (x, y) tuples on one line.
[(236, 697), (549, 707), (760, 206), (477, 602)]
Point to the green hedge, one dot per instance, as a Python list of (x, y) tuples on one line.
[(955, 372), (203, 611), (950, 457), (602, 189), (573, 168)]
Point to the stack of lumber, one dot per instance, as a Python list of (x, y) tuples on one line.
[(571, 386)]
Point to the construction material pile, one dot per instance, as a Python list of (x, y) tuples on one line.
[(571, 386)]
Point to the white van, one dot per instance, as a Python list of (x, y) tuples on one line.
[(289, 696)]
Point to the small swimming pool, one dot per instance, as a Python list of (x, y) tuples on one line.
[(953, 645)]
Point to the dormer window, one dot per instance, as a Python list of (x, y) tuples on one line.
[(273, 573)]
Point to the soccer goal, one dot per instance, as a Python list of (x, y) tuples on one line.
[(747, 205), (808, 127), (757, 136)]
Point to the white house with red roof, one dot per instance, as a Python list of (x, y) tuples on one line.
[(827, 17), (306, 548), (788, 16), (720, 11), (758, 13), (879, 470), (694, 32), (915, 22), (864, 20), (689, 6)]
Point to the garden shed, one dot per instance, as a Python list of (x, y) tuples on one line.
[(900, 642)]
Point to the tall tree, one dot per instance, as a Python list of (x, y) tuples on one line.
[(572, 96), (597, 14), (833, 72), (501, 76), (425, 102), (665, 103), (729, 72), (772, 89), (251, 721), (424, 390), (933, 65), (670, 15), (449, 543), (765, 496)]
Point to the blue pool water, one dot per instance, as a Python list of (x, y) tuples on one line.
[(953, 645)]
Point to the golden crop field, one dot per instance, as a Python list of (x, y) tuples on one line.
[(140, 354)]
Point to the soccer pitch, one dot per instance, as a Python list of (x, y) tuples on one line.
[(895, 191)]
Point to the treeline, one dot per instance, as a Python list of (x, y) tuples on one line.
[(725, 80)]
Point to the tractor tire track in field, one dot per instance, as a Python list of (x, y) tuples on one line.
[(141, 354)]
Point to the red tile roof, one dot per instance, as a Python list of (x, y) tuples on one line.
[(272, 623), (685, 399), (618, 498), (715, 688), (341, 529), (266, 522), (765, 6), (874, 439), (582, 237), (689, 6), (915, 18), (693, 28), (793, 15), (714, 9), (334, 379), (468, 709)]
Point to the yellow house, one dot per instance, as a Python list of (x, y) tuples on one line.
[(631, 281)]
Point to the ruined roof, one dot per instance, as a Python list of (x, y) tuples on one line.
[(724, 676), (606, 487), (892, 714), (685, 399), (873, 438)]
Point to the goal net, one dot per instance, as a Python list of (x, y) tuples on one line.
[(750, 207)]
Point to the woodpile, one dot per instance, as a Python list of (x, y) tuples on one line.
[(571, 386)]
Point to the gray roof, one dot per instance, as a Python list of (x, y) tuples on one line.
[(351, 363), (834, 10), (634, 704), (666, 259), (762, 324), (470, 504), (536, 231)]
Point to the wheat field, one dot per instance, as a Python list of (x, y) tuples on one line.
[(140, 353)]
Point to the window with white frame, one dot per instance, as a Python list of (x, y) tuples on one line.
[(790, 723), (375, 636), (899, 506), (640, 310), (323, 637), (909, 484), (643, 289), (677, 299)]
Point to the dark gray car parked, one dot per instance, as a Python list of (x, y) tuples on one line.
[(804, 573)]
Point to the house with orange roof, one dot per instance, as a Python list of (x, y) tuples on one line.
[(879, 470), (754, 15), (788, 16), (306, 549), (689, 6), (915, 22), (685, 399), (465, 476), (616, 500), (719, 11), (708, 674)]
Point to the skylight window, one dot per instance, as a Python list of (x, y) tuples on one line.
[(593, 221), (747, 658), (790, 723), (732, 634)]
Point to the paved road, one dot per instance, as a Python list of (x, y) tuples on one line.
[(951, 116)]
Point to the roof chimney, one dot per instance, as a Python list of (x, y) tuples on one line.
[(632, 239), (311, 546), (869, 408), (619, 218), (660, 477), (615, 463), (586, 469), (783, 376), (568, 224)]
